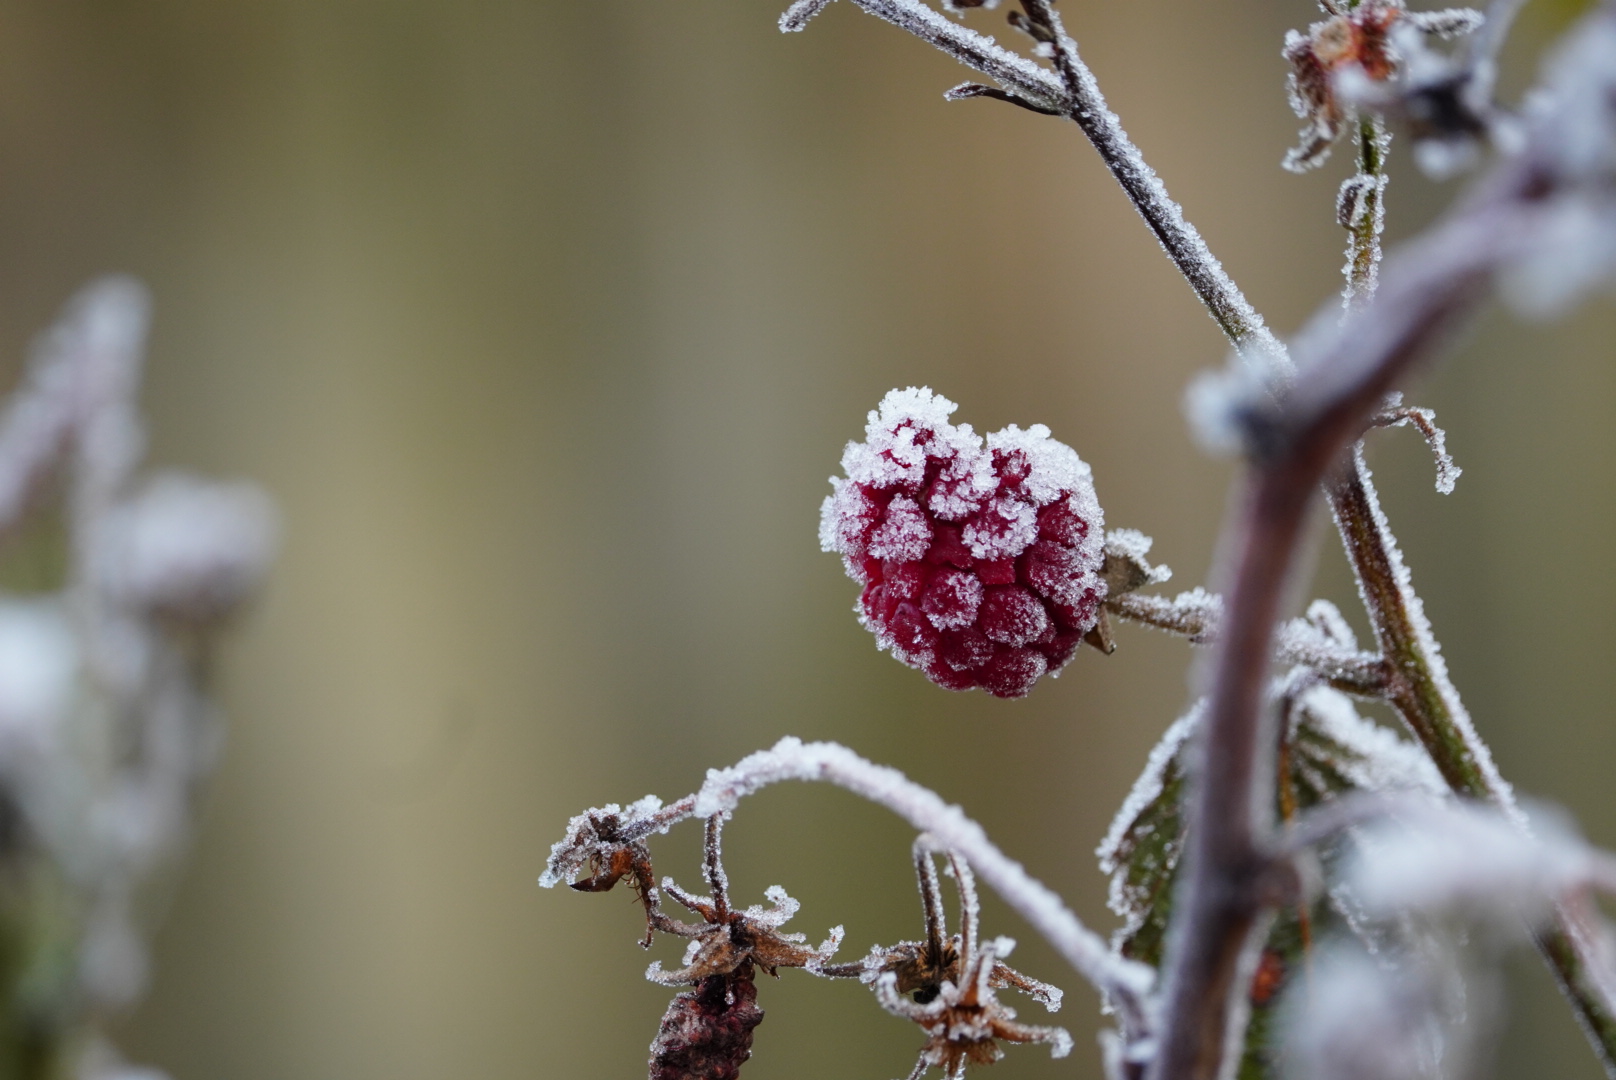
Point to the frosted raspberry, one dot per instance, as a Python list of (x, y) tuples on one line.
[(980, 562)]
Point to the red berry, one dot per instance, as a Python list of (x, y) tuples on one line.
[(980, 561)]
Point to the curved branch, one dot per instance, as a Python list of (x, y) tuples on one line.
[(1125, 982)]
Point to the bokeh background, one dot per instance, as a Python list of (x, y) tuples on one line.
[(545, 322)]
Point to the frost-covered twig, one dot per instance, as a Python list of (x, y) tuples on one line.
[(1010, 70), (1148, 194), (598, 837), (1074, 93), (1124, 982), (1428, 287), (1191, 615), (1361, 210), (1195, 616)]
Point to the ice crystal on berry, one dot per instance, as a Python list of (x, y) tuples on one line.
[(980, 561)]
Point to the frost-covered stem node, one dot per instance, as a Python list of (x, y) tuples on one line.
[(1196, 615)]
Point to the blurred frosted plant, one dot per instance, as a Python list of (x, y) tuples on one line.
[(1362, 1019), (1304, 890), (105, 732), (1573, 251), (1472, 861), (186, 549)]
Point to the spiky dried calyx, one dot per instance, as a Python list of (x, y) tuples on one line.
[(946, 983), (980, 563), (728, 940)]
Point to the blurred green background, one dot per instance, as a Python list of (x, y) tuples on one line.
[(546, 323)]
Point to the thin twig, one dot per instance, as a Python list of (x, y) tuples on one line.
[(1196, 615), (1148, 194), (1075, 94), (1125, 982), (1423, 421)]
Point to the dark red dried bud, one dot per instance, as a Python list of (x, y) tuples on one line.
[(980, 562), (706, 1033)]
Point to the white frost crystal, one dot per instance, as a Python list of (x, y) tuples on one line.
[(1469, 860)]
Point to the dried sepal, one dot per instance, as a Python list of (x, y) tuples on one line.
[(727, 940), (609, 842), (1126, 568), (594, 836)]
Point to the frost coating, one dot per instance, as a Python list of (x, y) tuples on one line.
[(1331, 752), (1363, 1022), (1473, 747), (791, 759), (1352, 57), (1376, 758), (39, 668), (1572, 251), (601, 830), (796, 17), (186, 548), (1474, 860), (1145, 791), (980, 562)]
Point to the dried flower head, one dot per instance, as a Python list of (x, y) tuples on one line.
[(980, 563), (946, 983), (1356, 44), (728, 940), (610, 842)]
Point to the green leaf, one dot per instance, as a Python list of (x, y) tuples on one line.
[(1328, 751)]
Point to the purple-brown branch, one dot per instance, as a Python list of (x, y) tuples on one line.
[(1426, 290)]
